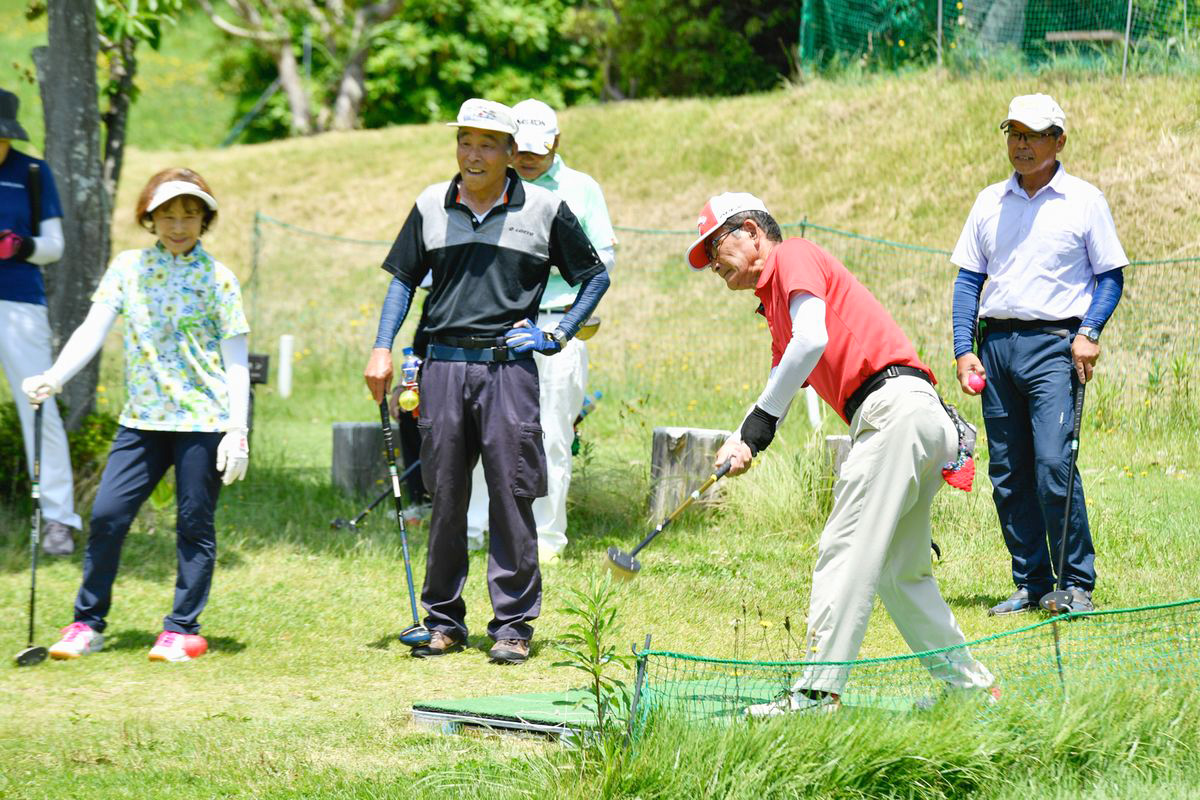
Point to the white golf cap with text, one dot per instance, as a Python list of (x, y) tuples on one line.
[(169, 190), (713, 215), (487, 115), (1036, 111), (537, 125)]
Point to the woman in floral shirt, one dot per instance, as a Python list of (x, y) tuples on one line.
[(188, 387)]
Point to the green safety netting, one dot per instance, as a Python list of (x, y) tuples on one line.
[(1046, 661)]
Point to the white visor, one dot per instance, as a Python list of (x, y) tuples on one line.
[(171, 189)]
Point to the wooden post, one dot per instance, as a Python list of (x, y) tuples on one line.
[(680, 460), (358, 465)]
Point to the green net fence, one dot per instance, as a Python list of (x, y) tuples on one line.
[(679, 351), (1046, 661), (1005, 33)]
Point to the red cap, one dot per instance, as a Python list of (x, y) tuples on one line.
[(712, 216)]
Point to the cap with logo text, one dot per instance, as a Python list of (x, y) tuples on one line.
[(712, 216)]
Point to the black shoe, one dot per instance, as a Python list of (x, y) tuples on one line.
[(510, 651), (439, 644), (1018, 602), (1081, 600)]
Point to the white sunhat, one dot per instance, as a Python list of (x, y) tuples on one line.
[(1036, 111), (537, 125), (486, 115), (713, 215), (169, 190)]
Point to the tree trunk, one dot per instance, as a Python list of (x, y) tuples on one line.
[(351, 91), (293, 88), (117, 116), (67, 78), (680, 460)]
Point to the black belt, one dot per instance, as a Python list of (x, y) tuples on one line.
[(875, 381), (473, 348), (989, 325)]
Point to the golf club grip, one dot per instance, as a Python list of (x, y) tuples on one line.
[(386, 424), (687, 501), (1078, 421)]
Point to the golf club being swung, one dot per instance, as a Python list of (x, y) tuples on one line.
[(34, 655), (415, 634), (625, 565), (1059, 601)]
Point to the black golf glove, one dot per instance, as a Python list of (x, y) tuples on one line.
[(758, 430)]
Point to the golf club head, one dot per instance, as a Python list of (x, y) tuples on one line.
[(415, 635), (588, 329), (622, 565), (31, 656), (342, 522), (1057, 602)]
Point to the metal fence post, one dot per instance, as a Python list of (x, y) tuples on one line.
[(939, 33)]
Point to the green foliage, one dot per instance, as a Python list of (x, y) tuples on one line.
[(699, 47), (586, 644), (88, 445)]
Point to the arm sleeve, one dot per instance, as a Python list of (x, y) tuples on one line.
[(1109, 286), (807, 345), (395, 309), (84, 343), (570, 249), (406, 260), (48, 244), (237, 378), (585, 303), (967, 287)]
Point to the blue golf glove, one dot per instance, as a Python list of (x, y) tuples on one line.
[(527, 336)]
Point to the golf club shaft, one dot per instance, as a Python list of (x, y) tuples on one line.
[(36, 530), (1076, 422), (384, 494), (386, 422), (691, 498)]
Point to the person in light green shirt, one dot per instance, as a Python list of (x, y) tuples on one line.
[(563, 379)]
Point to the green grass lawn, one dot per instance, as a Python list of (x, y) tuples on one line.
[(306, 692)]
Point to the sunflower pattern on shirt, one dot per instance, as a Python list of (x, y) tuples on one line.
[(177, 310)]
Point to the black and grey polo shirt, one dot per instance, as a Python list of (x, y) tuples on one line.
[(489, 275)]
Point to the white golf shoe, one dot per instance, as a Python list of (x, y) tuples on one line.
[(77, 640), (792, 703)]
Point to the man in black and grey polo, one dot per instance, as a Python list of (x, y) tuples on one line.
[(489, 241)]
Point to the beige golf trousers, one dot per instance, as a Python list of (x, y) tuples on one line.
[(877, 540)]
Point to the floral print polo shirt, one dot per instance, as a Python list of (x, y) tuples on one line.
[(177, 310)]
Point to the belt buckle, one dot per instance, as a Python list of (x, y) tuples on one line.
[(500, 352), (891, 371)]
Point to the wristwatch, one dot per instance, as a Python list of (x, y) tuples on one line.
[(1092, 334), (560, 337)]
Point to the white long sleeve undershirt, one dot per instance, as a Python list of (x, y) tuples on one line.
[(234, 351), (48, 244), (809, 337)]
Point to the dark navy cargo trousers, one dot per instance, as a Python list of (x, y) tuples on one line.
[(1028, 405), (471, 411), (137, 462)]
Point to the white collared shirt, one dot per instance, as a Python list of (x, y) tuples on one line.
[(1042, 253)]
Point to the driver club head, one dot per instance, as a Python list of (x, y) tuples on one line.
[(622, 565), (31, 656), (342, 522), (1057, 602), (415, 635)]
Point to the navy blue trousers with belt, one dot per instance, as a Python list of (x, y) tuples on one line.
[(490, 411), (1027, 410), (137, 462)]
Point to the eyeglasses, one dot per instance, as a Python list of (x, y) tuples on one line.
[(714, 243), (1033, 137)]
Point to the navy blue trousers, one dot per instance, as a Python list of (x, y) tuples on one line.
[(137, 462), (1027, 410)]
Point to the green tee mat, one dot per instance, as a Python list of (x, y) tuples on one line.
[(562, 713)]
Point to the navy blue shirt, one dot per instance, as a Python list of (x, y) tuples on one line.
[(21, 281)]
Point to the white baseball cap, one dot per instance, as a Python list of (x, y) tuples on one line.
[(713, 215), (169, 190), (537, 125), (1036, 111), (486, 115)]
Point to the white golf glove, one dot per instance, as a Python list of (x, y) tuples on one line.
[(233, 455), (39, 388)]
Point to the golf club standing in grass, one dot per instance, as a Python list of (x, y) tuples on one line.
[(490, 241), (828, 331), (563, 378), (1042, 249), (31, 236), (187, 387)]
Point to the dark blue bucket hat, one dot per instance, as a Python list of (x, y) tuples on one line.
[(9, 127)]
